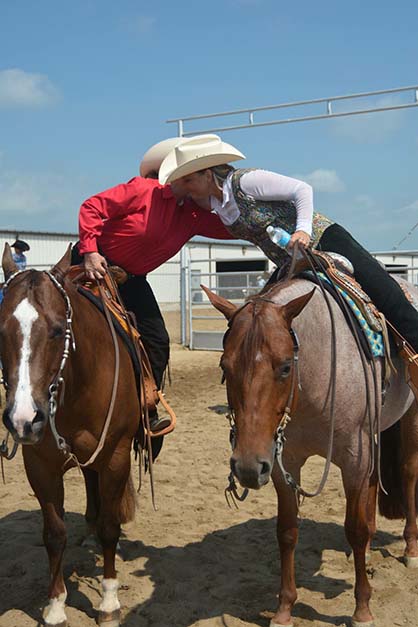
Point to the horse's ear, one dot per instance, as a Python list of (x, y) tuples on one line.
[(221, 304), (9, 266), (61, 268), (295, 306)]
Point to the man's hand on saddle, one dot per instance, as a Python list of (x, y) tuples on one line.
[(95, 265), (301, 238)]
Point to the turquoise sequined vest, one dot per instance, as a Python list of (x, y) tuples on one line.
[(257, 215)]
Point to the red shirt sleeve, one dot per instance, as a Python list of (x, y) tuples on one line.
[(116, 201)]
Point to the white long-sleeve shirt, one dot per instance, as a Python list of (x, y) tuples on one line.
[(265, 185)]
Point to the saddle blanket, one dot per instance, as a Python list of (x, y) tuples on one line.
[(374, 339)]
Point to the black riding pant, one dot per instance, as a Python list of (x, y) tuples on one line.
[(384, 291), (139, 298)]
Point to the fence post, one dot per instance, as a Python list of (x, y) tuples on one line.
[(183, 304)]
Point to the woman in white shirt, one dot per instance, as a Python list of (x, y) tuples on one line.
[(249, 200)]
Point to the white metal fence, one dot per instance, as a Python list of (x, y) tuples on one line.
[(206, 326)]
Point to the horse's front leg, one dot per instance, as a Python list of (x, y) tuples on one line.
[(287, 535), (91, 480), (49, 490), (117, 505), (357, 529)]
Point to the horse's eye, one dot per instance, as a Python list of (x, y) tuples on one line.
[(284, 370), (56, 331)]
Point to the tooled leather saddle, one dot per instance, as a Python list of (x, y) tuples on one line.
[(124, 324), (338, 270)]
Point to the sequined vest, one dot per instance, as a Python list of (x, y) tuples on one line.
[(257, 215)]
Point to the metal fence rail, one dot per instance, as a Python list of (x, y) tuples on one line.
[(328, 113)]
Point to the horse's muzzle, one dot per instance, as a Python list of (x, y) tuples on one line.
[(27, 432), (251, 473)]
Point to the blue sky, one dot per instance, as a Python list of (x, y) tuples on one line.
[(86, 87)]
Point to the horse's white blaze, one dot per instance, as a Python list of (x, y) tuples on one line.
[(24, 407), (110, 601), (55, 611)]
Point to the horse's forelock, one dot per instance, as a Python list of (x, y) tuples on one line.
[(255, 329), (26, 285)]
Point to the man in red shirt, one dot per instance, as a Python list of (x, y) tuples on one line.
[(138, 226)]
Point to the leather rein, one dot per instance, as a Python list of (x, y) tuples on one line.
[(58, 383), (231, 492)]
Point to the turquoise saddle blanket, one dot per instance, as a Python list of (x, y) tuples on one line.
[(374, 339)]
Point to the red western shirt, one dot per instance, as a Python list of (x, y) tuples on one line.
[(139, 225)]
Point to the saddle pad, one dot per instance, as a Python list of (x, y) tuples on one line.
[(120, 329), (374, 338)]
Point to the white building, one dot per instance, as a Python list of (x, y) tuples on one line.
[(233, 268), (204, 256)]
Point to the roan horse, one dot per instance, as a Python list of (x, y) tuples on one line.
[(261, 377), (41, 316)]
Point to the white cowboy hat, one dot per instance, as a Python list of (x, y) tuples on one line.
[(196, 153), (155, 155)]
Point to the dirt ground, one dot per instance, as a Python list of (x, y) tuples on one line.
[(195, 562)]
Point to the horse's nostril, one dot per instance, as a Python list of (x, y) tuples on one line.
[(265, 468), (39, 417)]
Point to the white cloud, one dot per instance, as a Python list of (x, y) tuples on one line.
[(24, 89), (31, 193), (41, 200), (413, 206), (323, 180), (364, 201), (370, 127)]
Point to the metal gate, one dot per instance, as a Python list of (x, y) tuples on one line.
[(206, 326)]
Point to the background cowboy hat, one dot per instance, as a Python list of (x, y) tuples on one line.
[(19, 244)]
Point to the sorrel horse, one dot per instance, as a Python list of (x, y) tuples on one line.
[(260, 367), (57, 354)]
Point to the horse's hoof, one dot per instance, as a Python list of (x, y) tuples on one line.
[(273, 624), (109, 619), (356, 623), (64, 623), (410, 562)]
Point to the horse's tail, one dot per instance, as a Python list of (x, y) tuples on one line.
[(128, 502), (391, 504)]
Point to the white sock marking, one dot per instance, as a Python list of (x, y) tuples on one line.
[(55, 610), (110, 601)]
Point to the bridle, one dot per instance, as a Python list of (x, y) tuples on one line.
[(280, 438), (58, 380), (231, 491)]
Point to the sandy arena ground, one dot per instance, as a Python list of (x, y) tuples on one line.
[(195, 562)]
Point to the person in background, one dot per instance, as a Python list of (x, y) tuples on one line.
[(19, 257), (249, 200), (139, 225)]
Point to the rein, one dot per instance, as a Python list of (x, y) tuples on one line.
[(314, 262), (231, 490), (59, 383)]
